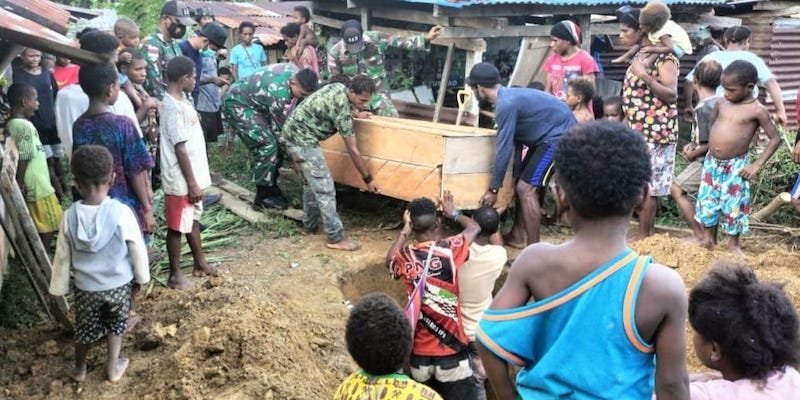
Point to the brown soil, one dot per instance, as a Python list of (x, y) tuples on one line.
[(272, 328)]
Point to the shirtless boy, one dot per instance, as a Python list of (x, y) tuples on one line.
[(725, 187)]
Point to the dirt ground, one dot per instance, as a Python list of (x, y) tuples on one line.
[(272, 328)]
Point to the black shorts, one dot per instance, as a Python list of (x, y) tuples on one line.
[(212, 125), (537, 166)]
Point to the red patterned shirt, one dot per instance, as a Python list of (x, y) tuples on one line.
[(439, 330)]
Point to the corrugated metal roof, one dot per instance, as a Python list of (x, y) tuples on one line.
[(268, 17), (466, 3)]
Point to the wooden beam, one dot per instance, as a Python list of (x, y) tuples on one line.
[(390, 14), (773, 5), (366, 18), (516, 10), (458, 32), (464, 44), (448, 61), (718, 22)]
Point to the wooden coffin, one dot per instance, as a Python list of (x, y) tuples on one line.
[(411, 159)]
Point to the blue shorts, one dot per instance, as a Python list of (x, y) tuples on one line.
[(724, 193)]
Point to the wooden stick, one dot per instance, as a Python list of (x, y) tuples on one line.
[(779, 201), (448, 61)]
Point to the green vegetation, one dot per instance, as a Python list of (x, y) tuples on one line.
[(18, 304)]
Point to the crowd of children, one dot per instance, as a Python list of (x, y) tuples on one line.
[(589, 298)]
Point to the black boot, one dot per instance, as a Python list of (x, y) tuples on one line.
[(269, 197)]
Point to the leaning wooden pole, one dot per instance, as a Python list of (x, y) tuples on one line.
[(773, 206), (448, 61)]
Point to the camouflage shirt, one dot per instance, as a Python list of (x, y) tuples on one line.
[(158, 52), (266, 91), (319, 116), (371, 60)]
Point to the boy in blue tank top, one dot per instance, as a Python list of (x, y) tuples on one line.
[(586, 319)]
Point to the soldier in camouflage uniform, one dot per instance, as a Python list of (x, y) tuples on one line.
[(317, 118), (362, 53), (162, 45), (256, 108)]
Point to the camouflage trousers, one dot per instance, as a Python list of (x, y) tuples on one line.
[(256, 133), (381, 104), (319, 193)]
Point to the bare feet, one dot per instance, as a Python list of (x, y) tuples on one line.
[(133, 320), (115, 372), (78, 374), (513, 241), (709, 244), (735, 250), (209, 269), (345, 244), (179, 282)]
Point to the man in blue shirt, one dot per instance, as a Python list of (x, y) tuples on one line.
[(211, 37), (525, 118)]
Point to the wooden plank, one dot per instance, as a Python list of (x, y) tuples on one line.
[(476, 44), (585, 23), (468, 189), (530, 61), (517, 10), (396, 179), (447, 115), (244, 209), (424, 126), (448, 61), (460, 32), (718, 22), (402, 145), (469, 155)]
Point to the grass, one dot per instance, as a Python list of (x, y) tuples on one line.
[(18, 304)]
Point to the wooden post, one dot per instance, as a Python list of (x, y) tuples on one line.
[(448, 61), (773, 206), (585, 22), (366, 18), (473, 58)]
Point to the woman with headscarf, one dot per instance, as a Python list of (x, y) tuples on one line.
[(568, 60), (649, 101), (737, 42)]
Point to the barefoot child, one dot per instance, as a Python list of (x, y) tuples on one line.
[(725, 188), (378, 337), (665, 35), (33, 176), (612, 109), (579, 94), (101, 245), (440, 354), (707, 75), (755, 359), (184, 171), (593, 298)]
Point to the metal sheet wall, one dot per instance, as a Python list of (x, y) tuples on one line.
[(784, 61)]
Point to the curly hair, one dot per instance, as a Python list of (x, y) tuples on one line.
[(583, 88), (304, 12), (178, 67), (603, 166), (361, 84), (378, 334), (291, 30), (99, 42), (708, 74), (743, 72), (736, 34), (19, 92), (654, 15), (488, 219), (91, 165), (96, 78), (307, 79), (247, 24), (423, 214), (765, 337)]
